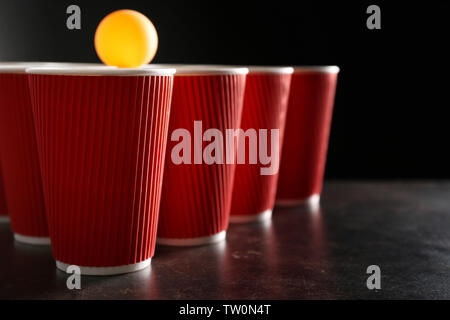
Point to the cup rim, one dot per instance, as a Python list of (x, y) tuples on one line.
[(271, 69), (202, 69), (22, 66), (317, 69), (100, 71)]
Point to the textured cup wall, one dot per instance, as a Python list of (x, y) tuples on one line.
[(19, 158), (265, 107), (3, 208), (196, 198), (306, 137), (102, 142)]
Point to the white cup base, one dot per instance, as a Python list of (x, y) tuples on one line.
[(36, 241), (218, 237), (263, 216), (4, 219), (311, 202), (106, 271)]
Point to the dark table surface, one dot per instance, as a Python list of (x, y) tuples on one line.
[(403, 227)]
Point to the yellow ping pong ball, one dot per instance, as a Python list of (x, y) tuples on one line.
[(126, 39)]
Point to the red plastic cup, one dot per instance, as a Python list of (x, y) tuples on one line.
[(265, 108), (101, 136), (306, 136), (19, 157), (3, 209), (196, 197)]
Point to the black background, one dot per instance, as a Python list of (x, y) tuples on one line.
[(391, 116)]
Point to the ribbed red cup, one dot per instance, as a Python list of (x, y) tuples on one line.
[(265, 108), (307, 133), (101, 136), (19, 157), (196, 198), (3, 209)]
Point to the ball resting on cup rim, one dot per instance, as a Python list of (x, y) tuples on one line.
[(37, 241), (263, 216), (106, 271), (191, 242)]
